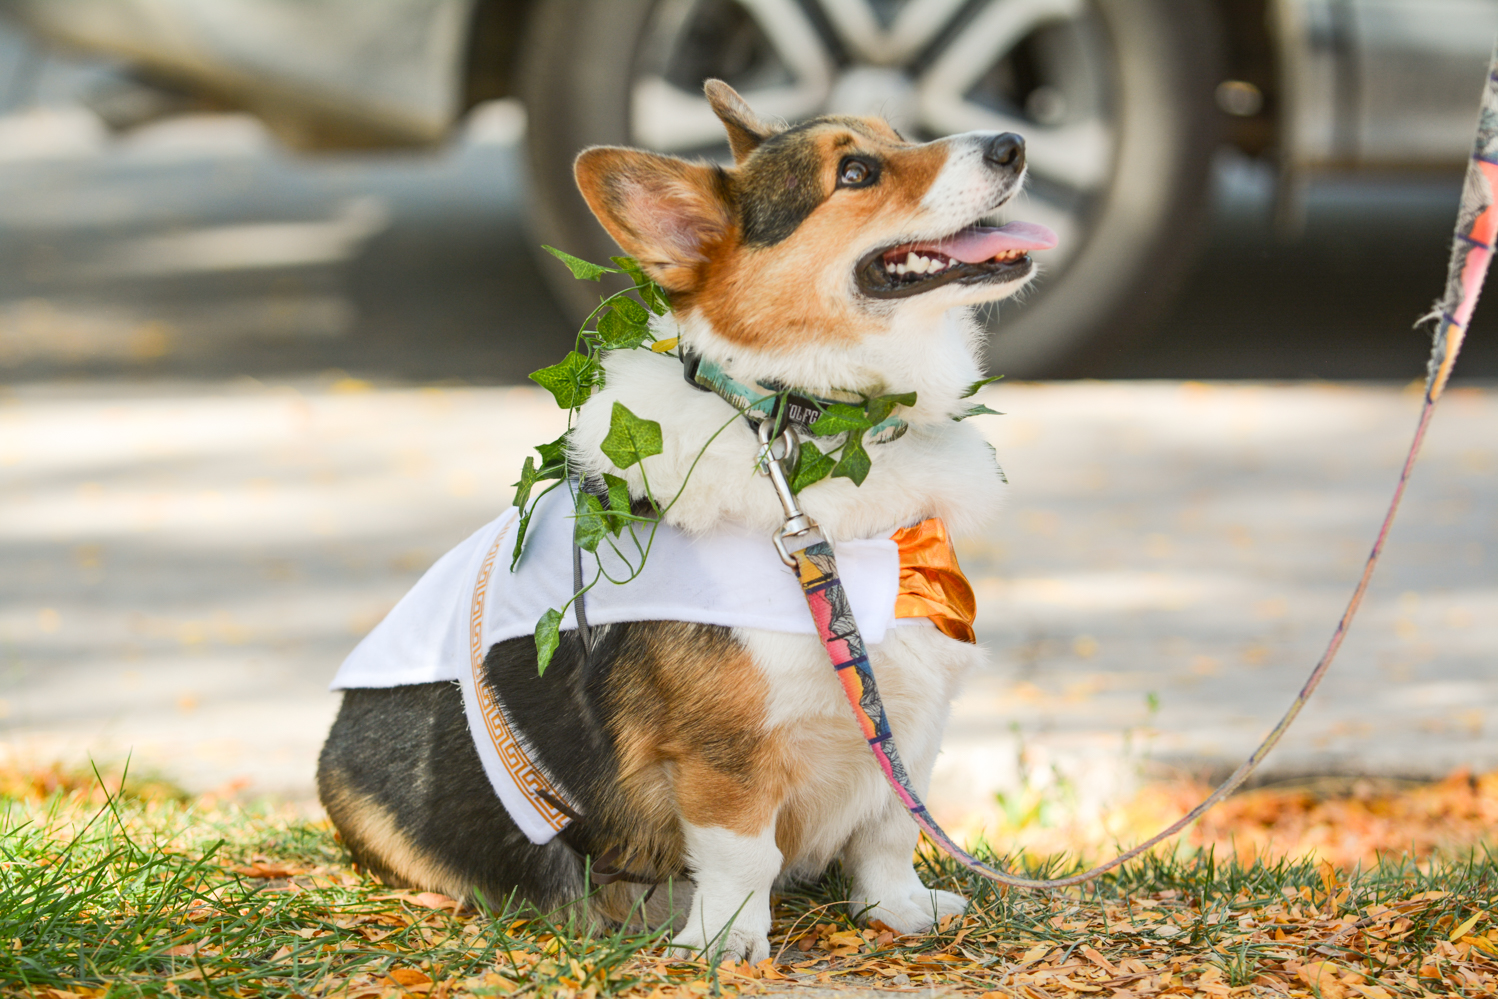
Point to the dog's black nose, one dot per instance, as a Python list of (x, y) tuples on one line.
[(1006, 151)]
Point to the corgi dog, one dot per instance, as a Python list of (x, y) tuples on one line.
[(714, 763)]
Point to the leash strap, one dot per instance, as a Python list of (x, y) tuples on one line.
[(816, 566)]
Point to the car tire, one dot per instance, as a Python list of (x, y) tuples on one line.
[(1139, 237)]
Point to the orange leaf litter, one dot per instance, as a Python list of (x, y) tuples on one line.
[(1312, 942)]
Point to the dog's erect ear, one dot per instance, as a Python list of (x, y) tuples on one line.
[(665, 212), (746, 130)]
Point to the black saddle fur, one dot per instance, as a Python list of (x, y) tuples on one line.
[(408, 751)]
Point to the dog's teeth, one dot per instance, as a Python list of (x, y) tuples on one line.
[(919, 263)]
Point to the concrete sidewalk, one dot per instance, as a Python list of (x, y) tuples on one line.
[(185, 566)]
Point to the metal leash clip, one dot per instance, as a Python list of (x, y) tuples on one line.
[(796, 523)]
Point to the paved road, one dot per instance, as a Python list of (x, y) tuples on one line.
[(248, 399), (198, 249)]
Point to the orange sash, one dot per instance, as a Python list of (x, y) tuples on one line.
[(931, 582)]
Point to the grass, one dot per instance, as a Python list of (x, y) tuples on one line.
[(138, 892)]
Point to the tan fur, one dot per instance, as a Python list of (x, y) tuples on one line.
[(742, 292), (374, 838), (689, 723), (692, 741)]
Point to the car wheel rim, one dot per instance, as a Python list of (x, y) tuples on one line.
[(1041, 68)]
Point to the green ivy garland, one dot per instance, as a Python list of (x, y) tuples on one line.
[(622, 322)]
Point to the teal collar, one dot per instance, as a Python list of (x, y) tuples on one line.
[(771, 400)]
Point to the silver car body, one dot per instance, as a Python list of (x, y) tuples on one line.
[(329, 72), (1363, 83), (1380, 83)]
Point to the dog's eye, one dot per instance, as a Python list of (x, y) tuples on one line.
[(855, 171)]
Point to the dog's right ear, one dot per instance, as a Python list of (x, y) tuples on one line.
[(746, 130), (665, 212)]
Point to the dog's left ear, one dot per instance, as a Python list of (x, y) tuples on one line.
[(665, 212), (746, 130)]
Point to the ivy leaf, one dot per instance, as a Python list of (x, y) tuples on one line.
[(569, 380), (553, 457), (972, 389), (581, 269), (652, 294), (547, 638), (619, 502), (616, 334), (631, 266), (811, 466), (625, 326), (589, 527), (853, 463), (879, 408), (634, 312), (528, 478), (553, 466), (630, 439), (520, 529), (655, 297), (976, 409), (840, 418)]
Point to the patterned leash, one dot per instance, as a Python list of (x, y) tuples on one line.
[(816, 565)]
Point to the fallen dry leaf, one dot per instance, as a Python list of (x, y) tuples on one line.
[(259, 869), (432, 900), (408, 977), (1322, 976), (1099, 960)]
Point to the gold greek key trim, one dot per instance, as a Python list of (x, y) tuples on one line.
[(523, 771)]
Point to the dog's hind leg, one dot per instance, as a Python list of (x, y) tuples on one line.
[(401, 780)]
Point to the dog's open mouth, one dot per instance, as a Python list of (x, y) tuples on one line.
[(975, 255)]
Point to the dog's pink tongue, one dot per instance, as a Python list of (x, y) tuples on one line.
[(980, 243)]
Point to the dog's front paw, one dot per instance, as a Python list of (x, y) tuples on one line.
[(939, 903), (734, 944), (916, 911)]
